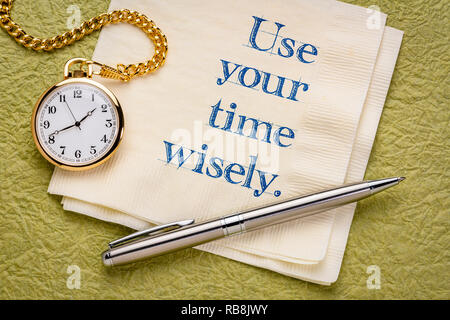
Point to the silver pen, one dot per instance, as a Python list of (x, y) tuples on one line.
[(183, 234)]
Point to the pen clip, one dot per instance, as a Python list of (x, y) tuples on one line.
[(158, 229)]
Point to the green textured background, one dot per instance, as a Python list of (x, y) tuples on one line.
[(405, 231)]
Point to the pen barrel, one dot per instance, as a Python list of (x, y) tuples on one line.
[(303, 207), (163, 243), (193, 235)]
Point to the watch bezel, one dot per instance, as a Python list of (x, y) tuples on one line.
[(107, 155)]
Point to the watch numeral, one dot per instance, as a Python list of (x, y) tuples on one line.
[(46, 124), (93, 151), (104, 108), (51, 109), (104, 138), (108, 123), (63, 149), (77, 93), (93, 97), (62, 98), (51, 139), (78, 154)]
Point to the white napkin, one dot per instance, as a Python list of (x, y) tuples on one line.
[(141, 188), (326, 272)]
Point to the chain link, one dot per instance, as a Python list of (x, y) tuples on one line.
[(123, 72)]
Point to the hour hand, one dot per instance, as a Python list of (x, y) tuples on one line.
[(61, 130)]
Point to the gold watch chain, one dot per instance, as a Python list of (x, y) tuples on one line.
[(122, 72)]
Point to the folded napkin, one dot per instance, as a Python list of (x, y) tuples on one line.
[(326, 271), (304, 94)]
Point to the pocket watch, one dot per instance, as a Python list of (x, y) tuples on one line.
[(78, 124)]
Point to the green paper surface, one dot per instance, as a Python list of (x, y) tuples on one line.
[(405, 231)]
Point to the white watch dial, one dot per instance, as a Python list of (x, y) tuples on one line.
[(77, 124)]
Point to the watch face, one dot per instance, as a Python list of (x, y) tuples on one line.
[(77, 124)]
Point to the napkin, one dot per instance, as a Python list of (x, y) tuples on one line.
[(174, 107), (326, 271)]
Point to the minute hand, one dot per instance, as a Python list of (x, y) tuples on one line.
[(72, 114)]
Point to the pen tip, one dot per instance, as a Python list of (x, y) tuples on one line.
[(400, 179)]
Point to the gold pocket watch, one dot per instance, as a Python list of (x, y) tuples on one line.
[(78, 124)]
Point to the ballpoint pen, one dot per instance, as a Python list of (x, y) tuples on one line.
[(183, 234)]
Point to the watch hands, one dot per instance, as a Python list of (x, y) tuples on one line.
[(72, 114), (61, 130), (77, 124), (87, 115)]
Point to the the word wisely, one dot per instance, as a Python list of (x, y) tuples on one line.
[(217, 167)]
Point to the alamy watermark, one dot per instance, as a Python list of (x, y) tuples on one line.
[(374, 279), (74, 279), (75, 16), (374, 20)]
